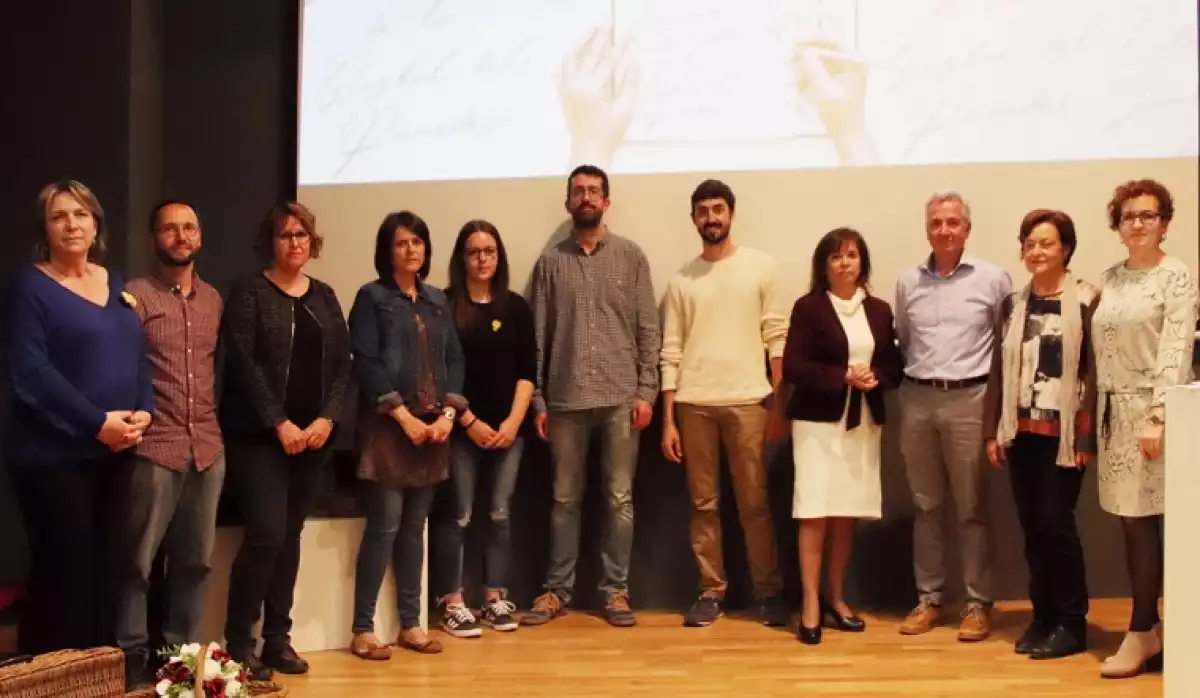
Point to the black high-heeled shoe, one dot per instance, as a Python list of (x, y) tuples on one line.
[(809, 636), (830, 618)]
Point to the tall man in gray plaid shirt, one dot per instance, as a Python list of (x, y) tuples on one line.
[(598, 341)]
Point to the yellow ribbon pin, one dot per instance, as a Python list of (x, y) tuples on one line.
[(495, 325)]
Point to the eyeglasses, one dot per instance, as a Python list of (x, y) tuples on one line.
[(1146, 217), (300, 237), (187, 229), (587, 193), (482, 253)]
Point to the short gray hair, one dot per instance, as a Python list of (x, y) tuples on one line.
[(942, 197)]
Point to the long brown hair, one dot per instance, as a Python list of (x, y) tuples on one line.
[(466, 315)]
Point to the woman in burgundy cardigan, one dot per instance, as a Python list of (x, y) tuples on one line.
[(840, 357)]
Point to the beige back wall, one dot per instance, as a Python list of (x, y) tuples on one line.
[(783, 213)]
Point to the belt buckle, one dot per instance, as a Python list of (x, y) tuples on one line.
[(941, 384)]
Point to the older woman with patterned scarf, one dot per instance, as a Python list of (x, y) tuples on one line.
[(1039, 425)]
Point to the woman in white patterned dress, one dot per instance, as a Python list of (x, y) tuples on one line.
[(1143, 334)]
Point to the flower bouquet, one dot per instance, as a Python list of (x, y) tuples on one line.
[(195, 671)]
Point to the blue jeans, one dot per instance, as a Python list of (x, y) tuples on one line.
[(571, 433), (396, 525), (452, 520)]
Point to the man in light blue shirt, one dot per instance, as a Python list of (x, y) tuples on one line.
[(946, 311)]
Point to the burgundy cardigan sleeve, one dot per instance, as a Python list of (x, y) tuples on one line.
[(889, 363), (801, 367)]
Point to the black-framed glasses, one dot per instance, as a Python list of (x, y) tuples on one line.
[(1146, 217), (482, 253)]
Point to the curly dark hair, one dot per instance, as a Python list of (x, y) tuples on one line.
[(1132, 190)]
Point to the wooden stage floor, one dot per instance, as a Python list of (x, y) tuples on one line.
[(580, 656)]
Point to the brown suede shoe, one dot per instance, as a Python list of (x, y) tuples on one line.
[(546, 608), (922, 619), (976, 625)]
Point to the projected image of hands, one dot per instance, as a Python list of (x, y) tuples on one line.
[(465, 89)]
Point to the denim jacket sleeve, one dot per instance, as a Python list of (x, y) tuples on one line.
[(456, 365), (365, 337)]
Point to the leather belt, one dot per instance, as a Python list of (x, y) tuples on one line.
[(943, 384)]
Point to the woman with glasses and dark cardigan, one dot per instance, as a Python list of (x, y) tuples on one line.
[(495, 328), (287, 373)]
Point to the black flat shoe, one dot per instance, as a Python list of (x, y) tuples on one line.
[(1059, 643), (830, 618), (1033, 636), (809, 636), (284, 660)]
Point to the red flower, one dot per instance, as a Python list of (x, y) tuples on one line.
[(220, 656), (214, 688), (175, 672)]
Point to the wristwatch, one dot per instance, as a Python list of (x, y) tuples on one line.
[(1155, 420), (449, 413)]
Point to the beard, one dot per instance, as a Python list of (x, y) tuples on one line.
[(586, 217), (714, 234), (165, 257)]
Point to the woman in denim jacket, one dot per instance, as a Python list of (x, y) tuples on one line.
[(410, 369)]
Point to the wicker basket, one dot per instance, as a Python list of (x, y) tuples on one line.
[(258, 689), (95, 673)]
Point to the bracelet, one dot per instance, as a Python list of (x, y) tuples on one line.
[(471, 423)]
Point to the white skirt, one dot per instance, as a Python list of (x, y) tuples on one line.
[(837, 471)]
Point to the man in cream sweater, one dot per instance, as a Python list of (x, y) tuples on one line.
[(721, 310)]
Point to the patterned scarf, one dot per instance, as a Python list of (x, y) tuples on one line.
[(1072, 342)]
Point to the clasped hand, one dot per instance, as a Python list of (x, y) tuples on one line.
[(860, 376), (123, 429)]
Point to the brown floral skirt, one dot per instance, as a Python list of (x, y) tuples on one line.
[(390, 458)]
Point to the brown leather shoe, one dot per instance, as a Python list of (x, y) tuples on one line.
[(367, 646), (546, 608), (921, 620), (976, 625)]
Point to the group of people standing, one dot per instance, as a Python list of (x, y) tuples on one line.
[(118, 451)]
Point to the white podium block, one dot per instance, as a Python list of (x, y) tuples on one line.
[(1181, 605), (323, 609)]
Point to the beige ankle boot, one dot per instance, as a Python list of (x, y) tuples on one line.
[(1138, 652)]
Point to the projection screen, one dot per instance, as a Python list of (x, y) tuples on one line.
[(819, 114)]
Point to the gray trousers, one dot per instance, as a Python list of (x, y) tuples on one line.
[(571, 435), (941, 439), (177, 510)]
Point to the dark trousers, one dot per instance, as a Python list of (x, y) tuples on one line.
[(272, 493), (74, 517), (1045, 495)]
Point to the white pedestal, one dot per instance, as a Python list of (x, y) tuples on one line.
[(324, 601), (1182, 606)]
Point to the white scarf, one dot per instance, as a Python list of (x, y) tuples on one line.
[(1072, 341)]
